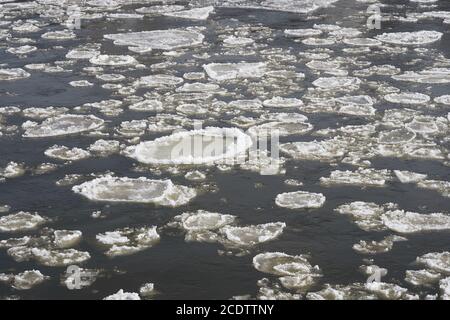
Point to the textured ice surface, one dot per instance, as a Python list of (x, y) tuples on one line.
[(333, 83), (253, 235), (140, 190), (360, 177), (110, 60), (422, 277), (25, 280), (411, 222), (415, 38), (375, 247), (13, 74), (59, 257), (66, 154), (67, 238), (194, 14), (300, 200), (128, 241), (232, 71), (204, 146), (431, 76), (121, 295), (408, 98), (436, 261), (158, 39), (63, 125), (20, 221)]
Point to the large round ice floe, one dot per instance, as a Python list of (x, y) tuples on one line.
[(300, 200), (204, 146), (204, 220), (230, 71), (253, 235), (13, 74), (63, 125), (158, 39), (113, 60), (140, 190), (408, 98), (415, 38)]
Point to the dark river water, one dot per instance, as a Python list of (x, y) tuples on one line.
[(195, 270)]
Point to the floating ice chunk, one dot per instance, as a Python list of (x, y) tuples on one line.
[(13, 74), (104, 147), (412, 222), (295, 6), (158, 39), (193, 14), (367, 215), (319, 41), (59, 35), (273, 291), (159, 80), (140, 190), (81, 83), (425, 125), (302, 33), (22, 50), (415, 38), (198, 87), (387, 291), (121, 295), (82, 54), (26, 280), (440, 186), (364, 42), (422, 277), (333, 83), (67, 238), (436, 261), (444, 286), (407, 98), (233, 41), (300, 200), (232, 71), (12, 170), (21, 221), (409, 177), (280, 102), (66, 154), (204, 221), (361, 177), (195, 176), (253, 235), (128, 240), (113, 60), (375, 247), (339, 292), (147, 290), (397, 136), (210, 145), (59, 258), (431, 76), (160, 9), (64, 125), (443, 100), (280, 128), (327, 150)]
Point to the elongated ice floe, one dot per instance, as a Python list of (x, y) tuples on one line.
[(204, 146), (21, 221), (300, 200), (25, 280), (412, 222), (436, 261), (121, 295), (63, 125), (252, 235), (193, 14), (13, 74), (361, 177), (140, 190), (66, 154), (415, 38), (158, 39), (59, 257), (231, 71), (430, 76)]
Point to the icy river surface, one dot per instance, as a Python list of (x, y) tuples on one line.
[(100, 199)]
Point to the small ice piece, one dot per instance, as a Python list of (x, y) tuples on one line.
[(67, 238), (170, 39), (444, 286), (21, 221), (202, 146), (376, 247), (121, 295), (13, 74), (12, 170), (159, 81), (195, 176), (232, 71), (327, 150), (412, 222), (415, 38), (361, 177), (422, 277), (436, 261), (147, 290), (113, 60), (364, 42), (233, 41), (22, 50), (253, 235), (64, 125), (81, 54), (334, 83), (192, 14), (387, 291), (300, 200), (81, 83), (59, 257), (128, 240), (409, 177), (205, 220), (140, 190), (66, 154), (408, 98)]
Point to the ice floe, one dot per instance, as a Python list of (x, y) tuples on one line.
[(232, 71), (121, 295), (300, 200), (415, 38), (63, 125), (21, 221), (140, 190), (411, 222), (13, 74)]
